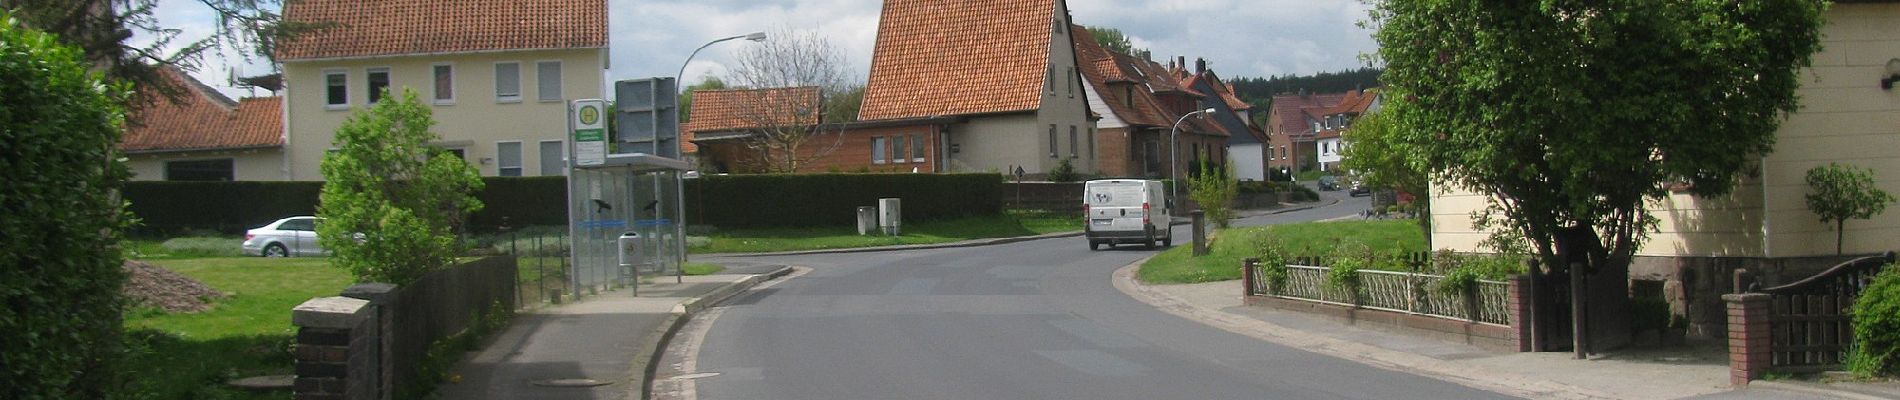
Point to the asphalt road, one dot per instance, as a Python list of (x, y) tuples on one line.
[(1029, 320)]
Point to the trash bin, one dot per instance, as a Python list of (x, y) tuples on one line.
[(867, 220)]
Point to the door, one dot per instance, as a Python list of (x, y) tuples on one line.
[(301, 236)]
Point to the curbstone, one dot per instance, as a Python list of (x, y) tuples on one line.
[(653, 344)]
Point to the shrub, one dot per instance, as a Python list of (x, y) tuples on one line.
[(1843, 192), (392, 203), (1063, 172), (1214, 189), (1343, 272), (204, 247), (1273, 259), (61, 223), (1877, 326), (831, 200)]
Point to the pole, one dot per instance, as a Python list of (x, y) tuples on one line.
[(1174, 133), (1580, 335)]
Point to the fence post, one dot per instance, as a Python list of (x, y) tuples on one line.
[(1200, 232), (1522, 311), (1247, 278), (1749, 343), (382, 301), (334, 340)]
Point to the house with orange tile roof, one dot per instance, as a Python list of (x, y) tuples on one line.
[(1245, 148), (1000, 75), (1138, 106), (1335, 121), (497, 74), (727, 132), (204, 136)]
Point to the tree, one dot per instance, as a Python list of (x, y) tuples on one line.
[(1568, 115), (391, 203), (101, 29), (1115, 41), (1214, 188), (1382, 160), (1841, 192), (785, 127), (61, 218)]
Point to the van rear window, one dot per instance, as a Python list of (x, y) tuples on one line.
[(1114, 195)]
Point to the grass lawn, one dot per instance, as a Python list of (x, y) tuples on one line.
[(698, 268), (1314, 238), (178, 356), (769, 240)]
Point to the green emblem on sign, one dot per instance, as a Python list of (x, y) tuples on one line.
[(590, 115)]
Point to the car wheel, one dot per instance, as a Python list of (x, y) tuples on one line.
[(1094, 245), (276, 250), (1168, 240)]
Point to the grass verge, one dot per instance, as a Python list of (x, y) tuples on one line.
[(180, 356), (1012, 224), (696, 268), (1177, 265)]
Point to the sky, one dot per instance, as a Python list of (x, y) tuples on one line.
[(650, 38)]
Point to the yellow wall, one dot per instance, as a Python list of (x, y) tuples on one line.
[(475, 121), (1845, 117), (246, 165)]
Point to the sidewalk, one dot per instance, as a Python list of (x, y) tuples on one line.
[(598, 348), (1630, 374)]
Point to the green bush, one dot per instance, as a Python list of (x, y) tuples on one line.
[(59, 130), (203, 247), (1272, 260), (391, 203), (1063, 172), (1214, 190), (831, 200), (1876, 349)]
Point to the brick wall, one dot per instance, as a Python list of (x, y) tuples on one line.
[(1748, 337), (832, 151), (336, 338)]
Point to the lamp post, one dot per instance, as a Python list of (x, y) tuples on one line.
[(680, 79), (1174, 167), (679, 83)]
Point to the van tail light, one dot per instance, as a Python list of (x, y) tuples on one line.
[(1144, 213), (247, 237), (1085, 209)]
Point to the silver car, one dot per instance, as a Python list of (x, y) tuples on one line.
[(294, 236)]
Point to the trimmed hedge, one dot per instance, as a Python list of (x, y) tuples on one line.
[(729, 201)]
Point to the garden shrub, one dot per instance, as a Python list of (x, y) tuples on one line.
[(204, 247), (1063, 172), (1272, 260), (391, 203), (1214, 189), (61, 220), (1876, 349)]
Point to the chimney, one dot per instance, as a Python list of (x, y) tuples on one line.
[(1200, 65), (1181, 61)]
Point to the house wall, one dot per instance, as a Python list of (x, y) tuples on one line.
[(849, 151), (999, 143), (1845, 117), (1116, 152), (474, 122), (1328, 153), (246, 165), (1066, 106)]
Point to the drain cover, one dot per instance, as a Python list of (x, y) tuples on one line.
[(577, 382)]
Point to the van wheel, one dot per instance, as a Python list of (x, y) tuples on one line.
[(1150, 243), (1094, 245)]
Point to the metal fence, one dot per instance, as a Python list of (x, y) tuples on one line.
[(1404, 292), (543, 254)]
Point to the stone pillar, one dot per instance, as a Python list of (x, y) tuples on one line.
[(1749, 351), (332, 342), (1247, 276), (1200, 232), (382, 309), (1521, 304)]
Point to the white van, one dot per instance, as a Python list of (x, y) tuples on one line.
[(1127, 211)]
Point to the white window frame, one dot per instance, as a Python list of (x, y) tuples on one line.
[(521, 158), (369, 96), (560, 76), (327, 105), (434, 84), (499, 98)]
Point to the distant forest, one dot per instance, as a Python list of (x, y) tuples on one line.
[(1260, 91)]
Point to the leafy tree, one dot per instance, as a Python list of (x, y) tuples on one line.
[(1114, 40), (1876, 350), (1260, 91), (392, 203), (61, 218), (1842, 192), (101, 29), (1063, 172), (789, 130), (1214, 188), (1567, 115), (1382, 160), (686, 99)]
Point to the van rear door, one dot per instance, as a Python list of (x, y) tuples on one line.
[(1116, 205)]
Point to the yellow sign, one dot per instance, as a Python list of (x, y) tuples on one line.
[(590, 115)]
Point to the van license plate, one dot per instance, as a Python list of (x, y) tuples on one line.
[(1103, 222)]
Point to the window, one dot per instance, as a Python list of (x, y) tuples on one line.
[(1053, 146), (1074, 146), (1325, 148), (299, 224), (1128, 95), (460, 154), (552, 164), (336, 89), (1069, 79), (877, 149), (378, 83), (507, 82), (199, 170), (899, 149), (444, 83), (1050, 83), (548, 80), (508, 158), (1091, 143), (916, 148)]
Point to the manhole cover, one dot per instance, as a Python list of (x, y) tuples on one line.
[(264, 383), (577, 382)]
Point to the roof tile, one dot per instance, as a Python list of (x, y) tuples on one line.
[(396, 27), (954, 57), (739, 109), (203, 120)]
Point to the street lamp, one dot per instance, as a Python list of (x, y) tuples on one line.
[(1173, 166), (679, 85), (680, 79)]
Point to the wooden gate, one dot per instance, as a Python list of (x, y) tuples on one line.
[(1810, 321)]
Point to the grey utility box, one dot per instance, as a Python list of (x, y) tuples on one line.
[(890, 215), (867, 220)]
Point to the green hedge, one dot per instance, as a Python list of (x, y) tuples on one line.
[(730, 201)]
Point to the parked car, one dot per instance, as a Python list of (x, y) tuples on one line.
[(1328, 183), (1359, 189), (288, 237), (1127, 211)]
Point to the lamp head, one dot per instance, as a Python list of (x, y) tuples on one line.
[(755, 36), (1892, 74), (1209, 110)]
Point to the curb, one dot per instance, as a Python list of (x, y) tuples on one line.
[(1812, 389), (976, 242), (648, 360)]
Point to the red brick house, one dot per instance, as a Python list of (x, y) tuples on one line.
[(1138, 104)]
